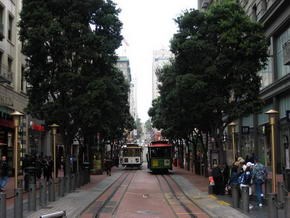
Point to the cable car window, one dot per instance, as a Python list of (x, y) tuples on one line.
[(161, 152)]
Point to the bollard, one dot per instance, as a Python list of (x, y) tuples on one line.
[(66, 185), (245, 199), (76, 181), (287, 206), (49, 187), (73, 182), (268, 186), (272, 209), (53, 189), (210, 189), (32, 198), (235, 196), (3, 205), (58, 188), (43, 195), (18, 203), (79, 180), (82, 178), (282, 193), (61, 187)]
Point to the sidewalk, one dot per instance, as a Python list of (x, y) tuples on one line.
[(75, 202), (201, 183)]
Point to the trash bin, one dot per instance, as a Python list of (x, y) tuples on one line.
[(287, 179)]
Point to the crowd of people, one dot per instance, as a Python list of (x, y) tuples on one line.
[(243, 173)]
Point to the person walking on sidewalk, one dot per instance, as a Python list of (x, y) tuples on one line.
[(259, 177), (108, 166), (3, 173)]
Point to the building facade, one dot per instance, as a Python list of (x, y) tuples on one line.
[(253, 130), (123, 64), (160, 58)]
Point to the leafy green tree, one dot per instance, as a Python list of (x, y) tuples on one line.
[(213, 78), (70, 49), (219, 53)]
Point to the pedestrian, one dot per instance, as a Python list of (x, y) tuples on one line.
[(226, 173), (38, 167), (218, 188), (3, 173), (45, 168), (108, 166), (259, 177), (245, 179), (50, 167)]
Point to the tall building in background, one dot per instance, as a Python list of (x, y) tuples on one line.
[(254, 130), (160, 58), (123, 64)]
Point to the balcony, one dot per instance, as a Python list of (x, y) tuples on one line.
[(5, 75)]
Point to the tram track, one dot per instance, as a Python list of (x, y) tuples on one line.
[(125, 180), (177, 197)]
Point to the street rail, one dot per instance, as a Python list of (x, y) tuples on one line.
[(176, 196), (113, 189)]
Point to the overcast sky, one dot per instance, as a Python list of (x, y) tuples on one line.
[(147, 25)]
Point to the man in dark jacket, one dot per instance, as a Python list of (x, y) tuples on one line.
[(3, 173)]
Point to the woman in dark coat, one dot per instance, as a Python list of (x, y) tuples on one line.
[(217, 175)]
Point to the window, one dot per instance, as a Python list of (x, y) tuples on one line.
[(264, 5), (10, 27), (266, 74), (280, 40), (1, 22), (10, 61), (22, 79), (254, 13), (1, 14), (1, 67)]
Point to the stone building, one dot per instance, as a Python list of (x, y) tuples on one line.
[(253, 130)]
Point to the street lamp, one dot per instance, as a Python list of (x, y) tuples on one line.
[(54, 128), (16, 120), (272, 121), (233, 127)]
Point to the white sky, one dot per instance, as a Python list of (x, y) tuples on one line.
[(147, 25)]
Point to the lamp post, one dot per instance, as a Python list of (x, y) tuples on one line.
[(54, 128), (272, 120), (16, 120), (233, 128)]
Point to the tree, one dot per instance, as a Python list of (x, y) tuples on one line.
[(219, 53), (70, 49), (213, 78)]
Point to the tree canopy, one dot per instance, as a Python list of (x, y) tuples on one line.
[(213, 78), (70, 55)]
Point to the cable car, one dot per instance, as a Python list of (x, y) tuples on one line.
[(131, 156), (159, 156)]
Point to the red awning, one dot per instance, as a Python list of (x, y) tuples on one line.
[(37, 127)]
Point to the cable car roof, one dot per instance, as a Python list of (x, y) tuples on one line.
[(159, 144)]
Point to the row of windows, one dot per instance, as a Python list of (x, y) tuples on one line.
[(10, 24)]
